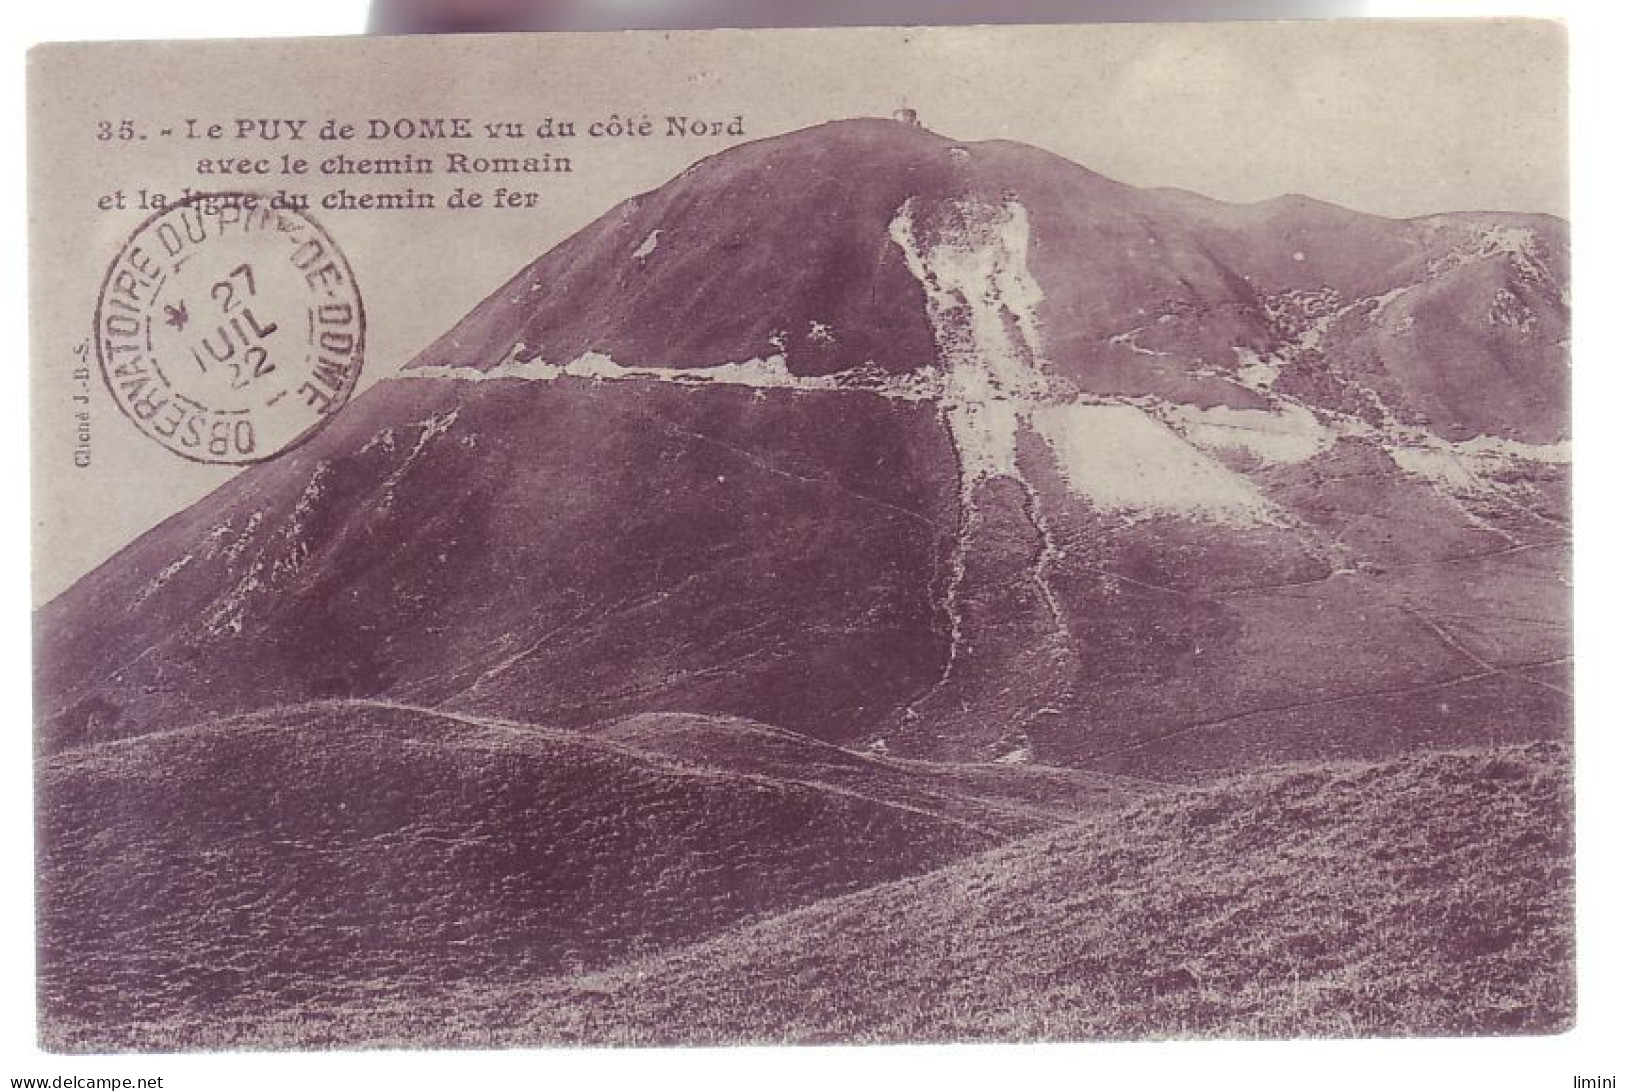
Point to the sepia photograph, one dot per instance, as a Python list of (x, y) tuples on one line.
[(849, 536)]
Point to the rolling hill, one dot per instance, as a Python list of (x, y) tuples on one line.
[(1426, 896)]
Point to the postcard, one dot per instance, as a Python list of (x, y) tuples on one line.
[(738, 537)]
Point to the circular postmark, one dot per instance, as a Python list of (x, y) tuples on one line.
[(229, 329)]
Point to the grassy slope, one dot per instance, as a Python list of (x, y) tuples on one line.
[(361, 853), (1430, 895), (1013, 799), (558, 552), (1425, 896)]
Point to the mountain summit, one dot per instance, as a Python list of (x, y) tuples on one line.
[(816, 247)]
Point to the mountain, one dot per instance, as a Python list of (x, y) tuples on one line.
[(960, 450)]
